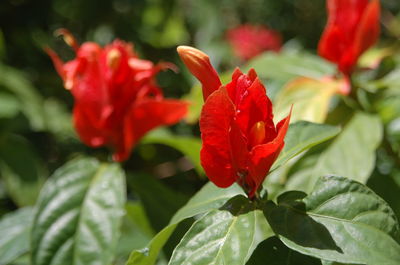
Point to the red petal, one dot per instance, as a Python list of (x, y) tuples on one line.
[(239, 151), (263, 156), (329, 46), (369, 29), (87, 128), (145, 116), (215, 122)]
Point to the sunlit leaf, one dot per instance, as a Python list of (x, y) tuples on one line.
[(309, 97)]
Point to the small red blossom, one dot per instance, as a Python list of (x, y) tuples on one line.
[(117, 99), (249, 41), (352, 27), (240, 139)]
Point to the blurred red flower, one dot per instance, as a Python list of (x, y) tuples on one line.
[(240, 139), (116, 96), (248, 41), (352, 27)]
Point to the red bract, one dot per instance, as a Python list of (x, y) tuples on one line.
[(116, 96), (240, 139), (352, 27), (248, 40)]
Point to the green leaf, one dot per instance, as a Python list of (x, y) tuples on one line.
[(342, 221), (325, 262), (43, 114), (273, 252), (31, 102), (15, 233), (225, 236), (78, 215), (208, 198), (9, 105), (23, 183), (188, 145), (287, 65), (351, 154), (303, 135)]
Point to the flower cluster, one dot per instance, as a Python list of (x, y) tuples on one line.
[(116, 96)]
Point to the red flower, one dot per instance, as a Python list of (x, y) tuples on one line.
[(116, 96), (249, 40), (240, 139), (353, 27)]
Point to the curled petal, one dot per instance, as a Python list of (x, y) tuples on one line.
[(68, 38)]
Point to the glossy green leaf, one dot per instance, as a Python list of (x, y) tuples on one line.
[(78, 215), (303, 135), (351, 154), (342, 221), (287, 65), (225, 236), (188, 145), (208, 198), (15, 234)]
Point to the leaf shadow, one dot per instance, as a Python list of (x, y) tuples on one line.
[(290, 220)]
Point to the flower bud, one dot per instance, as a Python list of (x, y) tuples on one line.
[(199, 65)]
